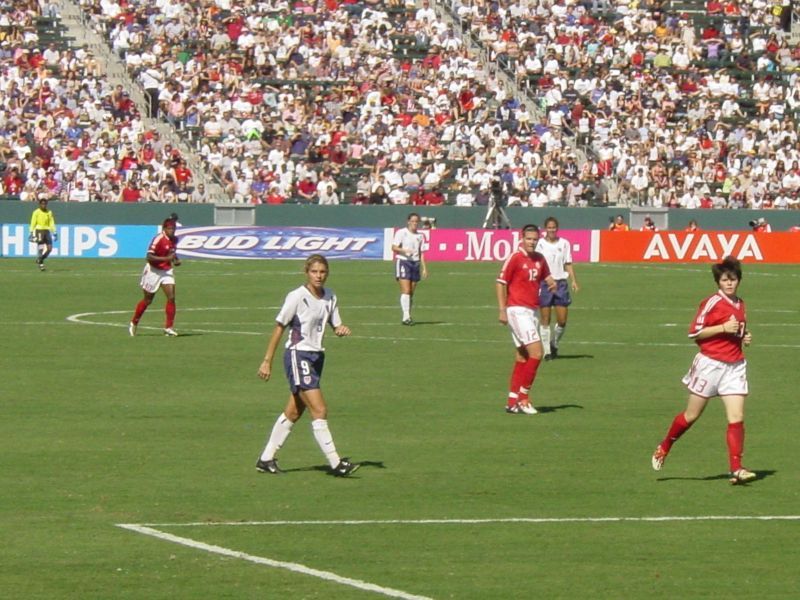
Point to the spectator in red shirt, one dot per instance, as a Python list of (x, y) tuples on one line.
[(129, 162), (131, 192), (274, 196), (12, 182), (182, 173), (307, 189), (433, 198)]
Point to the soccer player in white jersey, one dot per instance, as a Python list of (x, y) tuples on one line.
[(719, 368), (558, 253), (410, 266), (305, 312)]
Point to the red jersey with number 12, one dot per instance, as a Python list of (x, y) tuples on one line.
[(522, 273), (716, 310), (162, 245)]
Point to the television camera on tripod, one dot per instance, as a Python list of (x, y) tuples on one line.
[(496, 217)]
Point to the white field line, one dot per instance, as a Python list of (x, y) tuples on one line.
[(83, 319), (666, 267), (277, 564), (533, 520), (448, 307)]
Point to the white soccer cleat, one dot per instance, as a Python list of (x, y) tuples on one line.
[(170, 332), (527, 408), (132, 329), (659, 456), (742, 476)]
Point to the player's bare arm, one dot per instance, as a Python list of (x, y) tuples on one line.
[(265, 369), (572, 279), (401, 250), (729, 326), (342, 330), (502, 299), (551, 283)]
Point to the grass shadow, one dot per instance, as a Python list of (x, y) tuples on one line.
[(571, 357), (375, 464), (555, 407), (759, 476)]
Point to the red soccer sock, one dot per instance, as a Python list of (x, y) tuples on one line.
[(170, 310), (529, 369), (140, 308), (515, 383), (679, 426), (735, 439)]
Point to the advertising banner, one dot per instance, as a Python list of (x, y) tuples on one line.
[(489, 245), (250, 242), (703, 246), (82, 241)]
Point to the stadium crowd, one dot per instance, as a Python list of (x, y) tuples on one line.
[(692, 111), (380, 102), (67, 132)]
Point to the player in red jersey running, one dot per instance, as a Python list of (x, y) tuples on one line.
[(718, 369), (158, 273), (518, 300)]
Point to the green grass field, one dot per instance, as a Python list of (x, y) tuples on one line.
[(100, 429)]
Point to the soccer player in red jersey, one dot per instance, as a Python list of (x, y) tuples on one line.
[(518, 300), (719, 368), (158, 273)]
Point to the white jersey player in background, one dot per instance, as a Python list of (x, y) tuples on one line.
[(410, 266), (558, 253)]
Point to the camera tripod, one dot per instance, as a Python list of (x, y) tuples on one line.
[(496, 217)]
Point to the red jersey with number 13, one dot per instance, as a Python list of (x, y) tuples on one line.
[(716, 310), (522, 273), (162, 245)]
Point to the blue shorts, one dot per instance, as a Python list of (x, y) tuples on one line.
[(303, 369), (560, 297), (407, 269)]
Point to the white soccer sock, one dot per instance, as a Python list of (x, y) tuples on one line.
[(280, 431), (544, 332), (405, 304), (559, 333), (325, 441)]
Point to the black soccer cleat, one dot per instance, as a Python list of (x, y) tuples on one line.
[(268, 466), (408, 322), (554, 351), (345, 468)]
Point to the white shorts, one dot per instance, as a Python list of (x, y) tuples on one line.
[(153, 278), (708, 377), (524, 325)]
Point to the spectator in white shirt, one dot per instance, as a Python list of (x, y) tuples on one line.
[(328, 196)]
